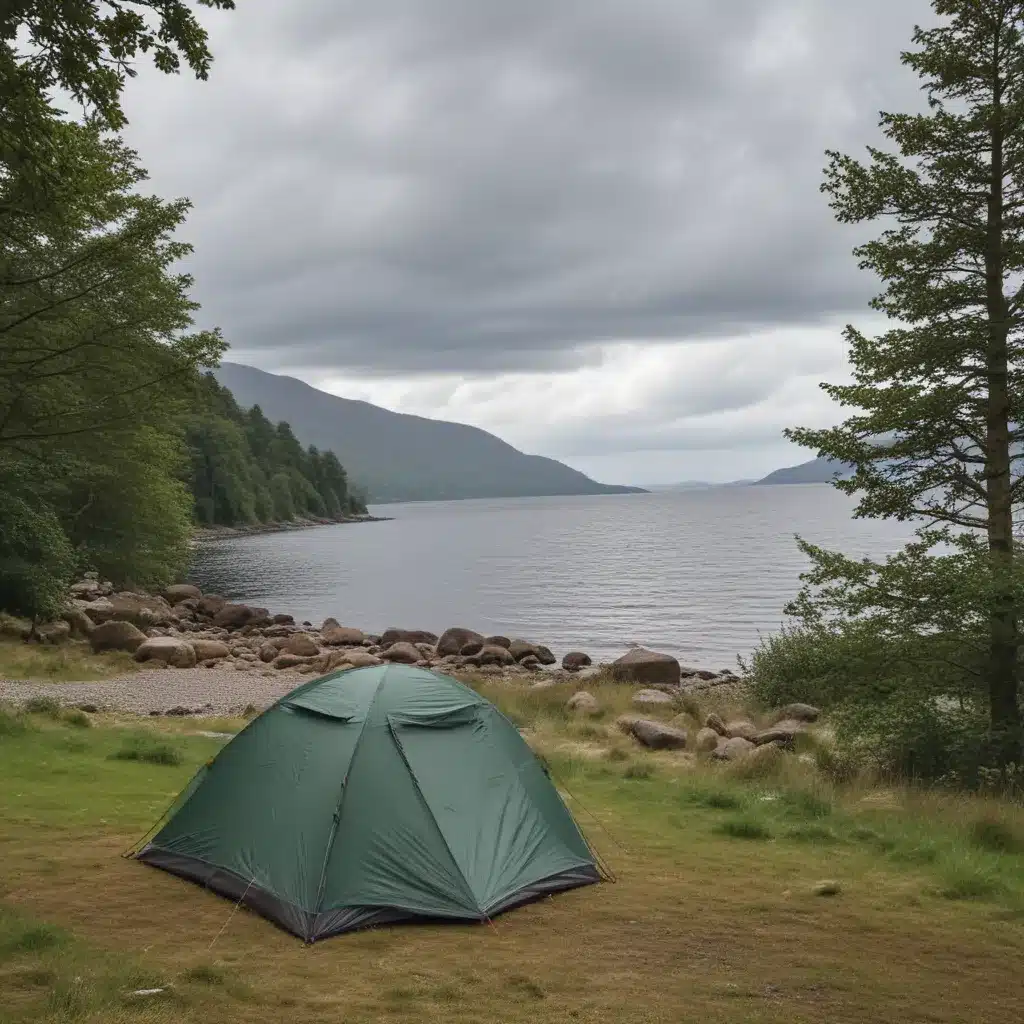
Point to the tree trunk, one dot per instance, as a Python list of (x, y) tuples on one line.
[(1004, 637)]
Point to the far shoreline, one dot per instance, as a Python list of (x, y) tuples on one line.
[(208, 533)]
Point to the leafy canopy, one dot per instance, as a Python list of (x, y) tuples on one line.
[(88, 48)]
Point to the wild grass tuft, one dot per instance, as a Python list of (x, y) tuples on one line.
[(996, 835), (638, 770), (148, 749), (743, 828), (12, 722), (43, 706)]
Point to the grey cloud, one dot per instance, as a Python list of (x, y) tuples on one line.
[(402, 188)]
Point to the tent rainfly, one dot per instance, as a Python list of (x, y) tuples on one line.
[(372, 796)]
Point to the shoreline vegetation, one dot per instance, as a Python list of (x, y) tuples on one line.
[(203, 533)]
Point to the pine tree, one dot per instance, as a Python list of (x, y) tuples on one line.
[(938, 397)]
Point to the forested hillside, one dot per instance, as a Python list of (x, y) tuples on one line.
[(245, 469), (113, 442)]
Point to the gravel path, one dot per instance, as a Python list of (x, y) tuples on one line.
[(214, 691)]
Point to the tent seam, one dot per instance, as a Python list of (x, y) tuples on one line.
[(433, 818), (341, 799)]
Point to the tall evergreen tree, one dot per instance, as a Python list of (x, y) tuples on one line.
[(939, 396)]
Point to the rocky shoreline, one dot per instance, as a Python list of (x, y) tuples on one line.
[(201, 654)]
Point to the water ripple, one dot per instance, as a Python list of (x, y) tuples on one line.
[(700, 574)]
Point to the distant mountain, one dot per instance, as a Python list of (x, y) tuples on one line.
[(817, 471), (393, 456)]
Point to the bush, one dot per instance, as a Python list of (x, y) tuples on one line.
[(148, 749), (12, 722), (743, 828), (37, 562), (995, 835), (43, 706), (899, 705)]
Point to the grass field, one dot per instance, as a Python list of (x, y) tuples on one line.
[(68, 662), (718, 912)]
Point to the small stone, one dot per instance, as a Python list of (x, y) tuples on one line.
[(827, 887)]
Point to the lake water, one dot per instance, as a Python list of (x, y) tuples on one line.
[(699, 574)]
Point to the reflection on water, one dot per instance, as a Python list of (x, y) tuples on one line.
[(698, 574)]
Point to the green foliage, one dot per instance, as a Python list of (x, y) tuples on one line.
[(743, 828), (148, 749), (47, 706), (938, 412), (36, 559), (246, 470), (90, 48)]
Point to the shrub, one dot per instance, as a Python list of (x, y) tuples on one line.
[(79, 719), (996, 835), (743, 828), (638, 770), (12, 722), (43, 706), (715, 799), (148, 749), (816, 835)]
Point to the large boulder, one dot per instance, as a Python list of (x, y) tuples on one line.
[(234, 616), (798, 712), (706, 741), (782, 733), (181, 592), (343, 636), (649, 667), (141, 609), (498, 641), (406, 636), (115, 635), (575, 660), (209, 650), (402, 653), (80, 623), (714, 721), (658, 735), (303, 645), (583, 703), (268, 652), (734, 749), (168, 649), (524, 648), (741, 727), (361, 659), (210, 604), (54, 632), (494, 654), (289, 661), (453, 640)]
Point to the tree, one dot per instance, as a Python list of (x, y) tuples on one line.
[(939, 396), (94, 323), (87, 48)]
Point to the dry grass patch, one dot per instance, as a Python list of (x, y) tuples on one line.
[(714, 915), (64, 663)]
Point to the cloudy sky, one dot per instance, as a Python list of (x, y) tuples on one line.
[(593, 227)]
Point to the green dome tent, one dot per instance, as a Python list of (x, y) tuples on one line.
[(370, 796)]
